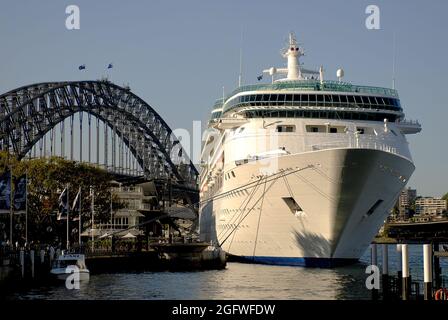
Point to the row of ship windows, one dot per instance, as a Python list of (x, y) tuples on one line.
[(334, 98), (328, 129), (216, 114), (312, 100), (315, 114)]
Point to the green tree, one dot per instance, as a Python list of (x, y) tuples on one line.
[(47, 178), (445, 197)]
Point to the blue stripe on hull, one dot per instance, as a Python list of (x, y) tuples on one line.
[(295, 261)]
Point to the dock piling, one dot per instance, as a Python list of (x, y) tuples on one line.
[(427, 271), (405, 272), (32, 263), (374, 252), (22, 262), (374, 261), (385, 276), (436, 266), (51, 255), (399, 273), (42, 256)]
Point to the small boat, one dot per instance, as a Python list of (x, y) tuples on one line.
[(65, 264)]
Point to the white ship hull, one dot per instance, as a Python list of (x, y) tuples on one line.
[(344, 196)]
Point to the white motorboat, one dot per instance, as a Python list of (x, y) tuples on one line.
[(67, 264)]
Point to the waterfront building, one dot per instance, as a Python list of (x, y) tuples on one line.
[(122, 220), (132, 198), (430, 206), (141, 202), (406, 201)]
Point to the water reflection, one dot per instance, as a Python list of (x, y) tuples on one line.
[(244, 281), (237, 281)]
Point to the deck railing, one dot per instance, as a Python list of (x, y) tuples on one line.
[(314, 85), (352, 143), (409, 122)]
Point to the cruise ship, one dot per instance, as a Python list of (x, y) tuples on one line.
[(300, 170)]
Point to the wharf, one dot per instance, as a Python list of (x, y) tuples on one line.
[(20, 268), (160, 256), (433, 237)]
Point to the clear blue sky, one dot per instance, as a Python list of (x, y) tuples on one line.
[(177, 55)]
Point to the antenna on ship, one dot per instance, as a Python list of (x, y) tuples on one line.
[(393, 61), (240, 76), (223, 95), (321, 75), (293, 52), (340, 74)]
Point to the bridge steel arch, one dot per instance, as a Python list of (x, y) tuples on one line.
[(28, 113)]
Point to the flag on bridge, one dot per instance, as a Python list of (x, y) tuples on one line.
[(260, 77), (82, 67), (63, 205), (110, 66)]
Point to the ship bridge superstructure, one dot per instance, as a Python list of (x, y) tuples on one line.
[(304, 93)]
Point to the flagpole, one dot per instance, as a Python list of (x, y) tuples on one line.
[(26, 206), (68, 218), (80, 211), (93, 206), (11, 203), (111, 220)]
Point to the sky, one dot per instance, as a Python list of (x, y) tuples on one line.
[(178, 55)]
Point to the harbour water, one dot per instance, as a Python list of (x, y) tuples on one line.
[(237, 281)]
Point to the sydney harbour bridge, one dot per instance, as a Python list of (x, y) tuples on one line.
[(97, 122)]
